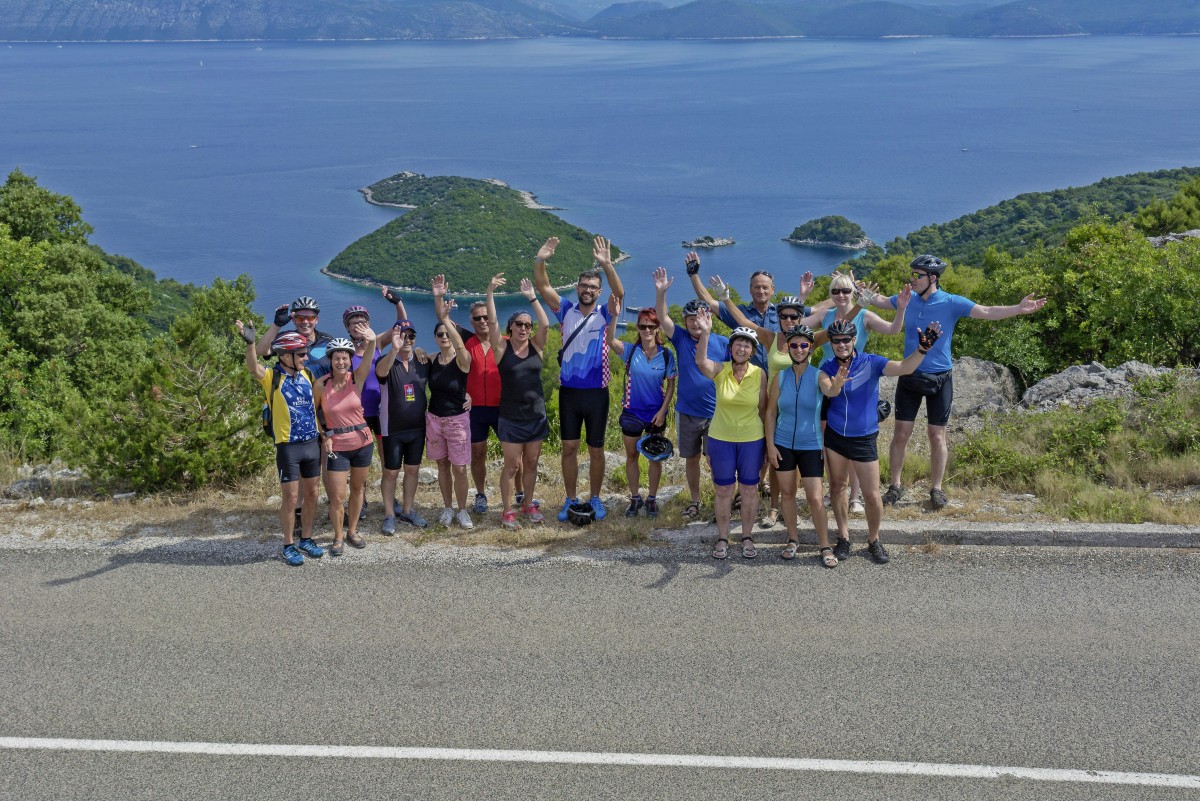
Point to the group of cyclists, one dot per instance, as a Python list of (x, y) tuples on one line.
[(765, 417)]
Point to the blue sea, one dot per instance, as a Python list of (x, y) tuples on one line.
[(214, 159)]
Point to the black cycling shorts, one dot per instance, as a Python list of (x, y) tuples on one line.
[(937, 389), (856, 449), (811, 463), (297, 460), (583, 407), (342, 461), (403, 448)]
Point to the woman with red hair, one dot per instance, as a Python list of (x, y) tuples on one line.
[(650, 373)]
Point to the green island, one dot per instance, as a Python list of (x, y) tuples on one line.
[(833, 231), (467, 229)]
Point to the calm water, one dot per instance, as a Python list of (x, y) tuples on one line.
[(205, 160)]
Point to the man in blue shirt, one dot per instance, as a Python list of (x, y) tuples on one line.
[(933, 380), (584, 373)]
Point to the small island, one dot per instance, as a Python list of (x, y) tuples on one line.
[(833, 231), (467, 229), (709, 242)]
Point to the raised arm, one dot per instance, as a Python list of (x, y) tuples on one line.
[(438, 285), (252, 364), (896, 326), (831, 386), (661, 284), (925, 340), (614, 314), (364, 332), (494, 336), (397, 301), (1028, 305), (384, 365), (543, 321), (541, 278), (706, 365), (807, 282), (282, 315), (462, 356), (602, 253), (720, 291)]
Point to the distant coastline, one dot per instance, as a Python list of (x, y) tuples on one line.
[(528, 198), (861, 244), (413, 290)]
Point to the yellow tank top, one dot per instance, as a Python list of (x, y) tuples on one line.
[(737, 417), (777, 360)]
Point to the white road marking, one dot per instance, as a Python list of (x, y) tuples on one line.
[(592, 758)]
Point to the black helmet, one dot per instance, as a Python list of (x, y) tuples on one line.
[(693, 307), (790, 302), (884, 409), (655, 447), (801, 330), (842, 328), (304, 303), (930, 264), (581, 513)]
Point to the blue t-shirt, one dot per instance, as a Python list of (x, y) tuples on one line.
[(585, 362), (768, 319), (696, 394), (860, 335), (644, 380), (944, 307), (854, 412), (798, 424)]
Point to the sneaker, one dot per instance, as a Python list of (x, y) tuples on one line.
[(598, 507), (311, 548), (826, 502), (413, 518), (878, 552), (480, 505), (562, 514), (857, 508), (841, 549), (533, 513), (937, 498), (651, 507), (892, 495), (464, 519), (635, 503), (447, 517), (520, 497), (509, 520), (292, 555), (389, 526), (362, 514)]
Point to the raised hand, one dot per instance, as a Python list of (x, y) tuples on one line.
[(614, 306), (282, 315), (807, 282), (247, 331), (448, 305), (929, 336), (841, 377), (720, 289), (661, 281), (439, 286), (1029, 304), (691, 263), (388, 295), (397, 338), (364, 332), (547, 250), (904, 296), (704, 319), (497, 281), (601, 252), (866, 294), (527, 290)]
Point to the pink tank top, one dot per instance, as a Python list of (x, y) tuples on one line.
[(344, 409)]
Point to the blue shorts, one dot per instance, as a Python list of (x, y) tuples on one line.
[(735, 462), (484, 419)]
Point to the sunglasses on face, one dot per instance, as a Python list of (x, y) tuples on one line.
[(647, 327), (521, 324), (919, 275), (479, 318), (800, 345), (764, 273), (841, 341), (409, 335), (789, 316), (304, 318), (442, 335), (299, 354), (842, 291)]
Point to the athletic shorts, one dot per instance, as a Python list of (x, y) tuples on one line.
[(448, 437), (580, 408), (403, 448), (936, 388), (811, 464), (483, 420), (297, 460), (373, 424), (856, 449), (342, 461), (519, 432), (691, 433), (735, 462), (634, 426)]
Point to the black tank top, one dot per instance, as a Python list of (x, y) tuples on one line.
[(447, 388), (521, 385)]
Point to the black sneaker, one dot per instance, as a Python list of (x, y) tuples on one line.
[(938, 499), (878, 552), (842, 549), (635, 503), (651, 507), (892, 495)]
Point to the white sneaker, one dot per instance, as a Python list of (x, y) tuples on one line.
[(447, 517), (857, 508), (464, 519), (828, 504)]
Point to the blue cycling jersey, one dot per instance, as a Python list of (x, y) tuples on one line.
[(854, 412)]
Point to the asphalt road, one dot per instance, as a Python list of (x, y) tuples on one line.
[(1042, 658)]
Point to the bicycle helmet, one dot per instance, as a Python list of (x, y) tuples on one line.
[(801, 330), (790, 302), (693, 307), (341, 343), (355, 311), (581, 513), (742, 332), (928, 263), (655, 447), (304, 303), (289, 341), (842, 328)]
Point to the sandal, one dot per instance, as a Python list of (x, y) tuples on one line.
[(356, 541), (827, 558), (770, 519), (691, 510), (789, 550), (721, 549), (337, 549), (748, 551)]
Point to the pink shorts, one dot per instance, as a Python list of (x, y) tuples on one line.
[(448, 437)]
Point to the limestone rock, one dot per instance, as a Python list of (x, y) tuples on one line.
[(1084, 383), (979, 386)]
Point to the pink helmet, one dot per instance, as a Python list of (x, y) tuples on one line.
[(355, 311), (289, 341)]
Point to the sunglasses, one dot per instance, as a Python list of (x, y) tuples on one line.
[(304, 318), (647, 327), (842, 291), (299, 354), (789, 317), (442, 335), (409, 335), (802, 345), (841, 340), (919, 275), (757, 273), (479, 318), (522, 324)]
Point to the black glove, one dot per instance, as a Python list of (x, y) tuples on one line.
[(282, 315), (248, 334), (692, 265), (392, 297), (883, 409), (926, 338)]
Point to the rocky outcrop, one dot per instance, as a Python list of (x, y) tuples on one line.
[(1084, 383), (1160, 241), (709, 242), (979, 386)]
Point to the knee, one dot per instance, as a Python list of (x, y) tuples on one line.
[(570, 449), (937, 436)]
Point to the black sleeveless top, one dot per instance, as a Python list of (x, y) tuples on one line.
[(447, 388), (521, 385)]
